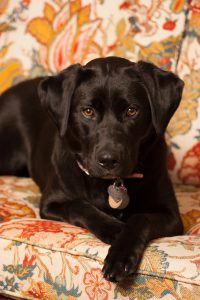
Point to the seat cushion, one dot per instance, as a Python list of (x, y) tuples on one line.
[(42, 259)]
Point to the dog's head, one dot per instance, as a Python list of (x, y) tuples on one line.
[(107, 108)]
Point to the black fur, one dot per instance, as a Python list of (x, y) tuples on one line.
[(88, 121)]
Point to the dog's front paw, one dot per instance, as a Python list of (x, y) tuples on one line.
[(109, 232), (120, 262)]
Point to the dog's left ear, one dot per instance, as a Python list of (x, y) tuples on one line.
[(164, 90), (56, 93)]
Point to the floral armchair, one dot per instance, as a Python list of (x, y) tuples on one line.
[(41, 259)]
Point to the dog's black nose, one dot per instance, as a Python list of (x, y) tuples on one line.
[(108, 161)]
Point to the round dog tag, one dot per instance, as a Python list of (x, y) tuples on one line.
[(118, 196)]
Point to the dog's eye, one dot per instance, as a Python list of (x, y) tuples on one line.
[(88, 112), (131, 112)]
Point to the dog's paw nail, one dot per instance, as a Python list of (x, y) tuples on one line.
[(103, 270), (110, 277), (126, 269)]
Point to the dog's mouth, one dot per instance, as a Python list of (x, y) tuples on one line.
[(109, 175)]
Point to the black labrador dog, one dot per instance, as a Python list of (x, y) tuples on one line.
[(92, 138)]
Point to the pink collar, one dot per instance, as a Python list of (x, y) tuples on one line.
[(82, 168), (134, 175)]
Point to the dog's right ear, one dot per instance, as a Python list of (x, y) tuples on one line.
[(165, 92), (56, 93)]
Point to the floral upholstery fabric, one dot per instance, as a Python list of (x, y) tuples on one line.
[(41, 259), (184, 128), (50, 35)]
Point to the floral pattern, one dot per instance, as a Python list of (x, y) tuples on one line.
[(42, 259), (190, 166), (96, 286), (184, 126), (67, 29)]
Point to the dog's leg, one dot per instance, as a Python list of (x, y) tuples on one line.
[(13, 155), (125, 254), (56, 206)]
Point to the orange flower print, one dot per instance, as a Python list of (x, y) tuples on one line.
[(40, 226), (48, 233), (11, 69), (3, 6), (189, 172), (195, 17), (191, 221), (65, 34), (195, 229), (177, 6), (41, 290), (169, 25), (29, 261), (14, 209), (96, 286), (26, 2), (197, 263)]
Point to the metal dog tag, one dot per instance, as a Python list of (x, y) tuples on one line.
[(118, 196)]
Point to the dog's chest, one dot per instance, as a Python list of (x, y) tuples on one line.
[(99, 197)]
